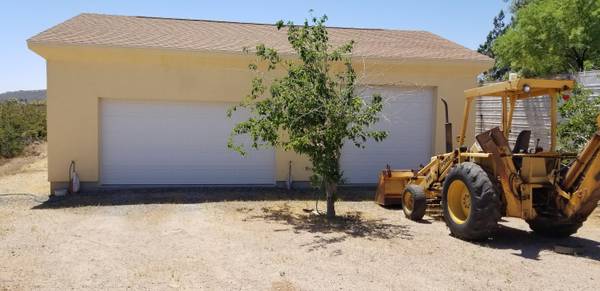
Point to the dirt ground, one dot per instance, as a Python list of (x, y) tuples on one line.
[(229, 239), (26, 174)]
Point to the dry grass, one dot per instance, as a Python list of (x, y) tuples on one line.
[(32, 153), (26, 174)]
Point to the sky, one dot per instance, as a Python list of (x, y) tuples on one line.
[(466, 22)]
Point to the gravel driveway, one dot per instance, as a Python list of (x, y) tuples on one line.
[(194, 240)]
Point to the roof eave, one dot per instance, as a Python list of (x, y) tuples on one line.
[(40, 47)]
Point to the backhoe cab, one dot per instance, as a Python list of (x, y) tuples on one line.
[(477, 185)]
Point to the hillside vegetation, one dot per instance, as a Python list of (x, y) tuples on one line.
[(21, 123), (24, 95)]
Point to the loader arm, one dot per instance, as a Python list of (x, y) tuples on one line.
[(494, 142), (583, 182)]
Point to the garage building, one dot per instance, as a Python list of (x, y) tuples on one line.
[(142, 100)]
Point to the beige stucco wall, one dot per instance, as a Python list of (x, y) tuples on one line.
[(79, 76)]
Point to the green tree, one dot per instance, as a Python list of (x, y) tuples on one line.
[(578, 122), (515, 5), (551, 37), (313, 109), (496, 72)]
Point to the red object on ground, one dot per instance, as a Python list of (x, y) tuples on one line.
[(566, 97)]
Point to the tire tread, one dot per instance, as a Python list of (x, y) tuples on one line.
[(419, 203), (485, 202)]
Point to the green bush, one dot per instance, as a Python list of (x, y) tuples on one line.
[(21, 123), (578, 119)]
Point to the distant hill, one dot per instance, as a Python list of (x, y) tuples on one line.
[(28, 95)]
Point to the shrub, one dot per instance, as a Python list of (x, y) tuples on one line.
[(21, 123), (578, 119)]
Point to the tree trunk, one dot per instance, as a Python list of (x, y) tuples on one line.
[(330, 190)]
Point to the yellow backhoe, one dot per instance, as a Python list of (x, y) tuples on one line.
[(477, 185)]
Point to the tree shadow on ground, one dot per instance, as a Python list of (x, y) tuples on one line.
[(529, 245), (196, 195), (329, 231)]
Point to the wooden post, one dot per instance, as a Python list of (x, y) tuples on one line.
[(513, 102), (504, 129)]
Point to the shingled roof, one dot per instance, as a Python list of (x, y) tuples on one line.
[(220, 36)]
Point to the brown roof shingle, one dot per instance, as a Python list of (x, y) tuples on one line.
[(205, 35)]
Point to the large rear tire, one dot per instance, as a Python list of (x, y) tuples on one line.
[(414, 202), (549, 227), (471, 202)]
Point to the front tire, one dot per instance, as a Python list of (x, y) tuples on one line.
[(471, 202), (414, 202)]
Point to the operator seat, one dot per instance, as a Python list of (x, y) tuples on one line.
[(521, 146), (522, 142)]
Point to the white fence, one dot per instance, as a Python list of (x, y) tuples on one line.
[(590, 80), (530, 114)]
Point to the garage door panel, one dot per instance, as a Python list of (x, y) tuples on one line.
[(176, 143), (408, 118), (183, 176)]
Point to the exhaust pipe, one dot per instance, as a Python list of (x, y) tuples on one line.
[(448, 126)]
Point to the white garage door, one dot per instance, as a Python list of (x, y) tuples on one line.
[(408, 118), (175, 143)]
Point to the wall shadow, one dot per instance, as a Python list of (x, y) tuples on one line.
[(197, 195)]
